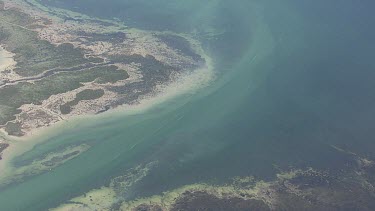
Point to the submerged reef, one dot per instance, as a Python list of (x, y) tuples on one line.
[(351, 188)]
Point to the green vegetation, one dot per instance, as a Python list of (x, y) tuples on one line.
[(14, 96), (87, 94), (33, 55), (95, 59), (13, 129), (181, 44), (7, 113), (111, 75)]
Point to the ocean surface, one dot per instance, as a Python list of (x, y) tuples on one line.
[(293, 78)]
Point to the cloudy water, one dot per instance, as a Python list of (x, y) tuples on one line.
[(294, 83)]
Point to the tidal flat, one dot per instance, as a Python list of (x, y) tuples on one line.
[(6, 60), (58, 60), (214, 105)]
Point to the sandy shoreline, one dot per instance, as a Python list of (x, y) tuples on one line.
[(138, 42), (179, 84), (6, 63), (180, 87)]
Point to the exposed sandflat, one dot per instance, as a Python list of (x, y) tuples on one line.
[(6, 59)]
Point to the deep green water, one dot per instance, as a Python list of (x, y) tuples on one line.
[(294, 77)]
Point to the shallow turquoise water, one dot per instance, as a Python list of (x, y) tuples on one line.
[(293, 78)]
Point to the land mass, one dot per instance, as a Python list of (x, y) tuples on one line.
[(60, 66)]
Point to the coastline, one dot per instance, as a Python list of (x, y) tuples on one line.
[(241, 131), (180, 84), (183, 86)]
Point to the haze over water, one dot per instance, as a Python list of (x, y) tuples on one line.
[(292, 79)]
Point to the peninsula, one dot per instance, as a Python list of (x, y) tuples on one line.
[(56, 65)]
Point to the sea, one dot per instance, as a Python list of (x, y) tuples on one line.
[(291, 81)]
